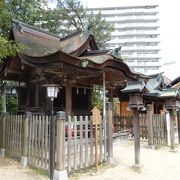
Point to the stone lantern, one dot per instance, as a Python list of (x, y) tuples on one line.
[(136, 90)]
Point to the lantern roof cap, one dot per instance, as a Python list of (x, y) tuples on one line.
[(135, 86)]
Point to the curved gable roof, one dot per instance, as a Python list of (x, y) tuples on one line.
[(39, 43)]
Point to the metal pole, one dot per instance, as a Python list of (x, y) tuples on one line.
[(52, 143), (136, 137)]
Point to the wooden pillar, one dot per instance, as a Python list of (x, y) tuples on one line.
[(3, 123), (172, 139), (109, 132), (68, 100), (104, 115), (110, 94), (24, 157), (28, 98), (37, 96), (3, 95), (60, 171), (136, 137), (178, 123), (150, 124)]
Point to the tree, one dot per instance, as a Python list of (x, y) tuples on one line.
[(67, 17), (32, 12), (7, 48), (29, 11), (70, 15)]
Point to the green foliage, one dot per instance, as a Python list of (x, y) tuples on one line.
[(70, 15), (67, 17), (28, 11), (97, 98), (5, 20), (7, 48), (101, 29), (11, 104)]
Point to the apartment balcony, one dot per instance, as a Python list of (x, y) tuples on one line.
[(155, 59), (131, 56), (135, 25), (129, 21), (140, 48), (146, 70), (117, 10), (138, 44), (127, 42), (144, 64), (134, 32), (137, 28), (130, 18), (126, 14), (119, 40), (134, 37)]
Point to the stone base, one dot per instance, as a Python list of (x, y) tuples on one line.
[(24, 161), (2, 152), (60, 175), (137, 168), (173, 150), (151, 147), (110, 160)]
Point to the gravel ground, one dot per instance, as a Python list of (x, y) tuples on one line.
[(12, 170), (156, 165)]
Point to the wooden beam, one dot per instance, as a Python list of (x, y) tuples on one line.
[(68, 100)]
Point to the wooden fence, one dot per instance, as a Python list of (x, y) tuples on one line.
[(38, 143), (13, 135), (78, 134), (159, 130), (79, 142), (125, 122)]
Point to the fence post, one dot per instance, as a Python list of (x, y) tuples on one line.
[(172, 138), (150, 125), (25, 138), (178, 121), (2, 150), (136, 138), (109, 132), (60, 171)]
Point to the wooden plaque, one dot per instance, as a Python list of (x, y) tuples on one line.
[(96, 116)]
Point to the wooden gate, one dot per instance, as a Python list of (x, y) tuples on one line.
[(159, 130)]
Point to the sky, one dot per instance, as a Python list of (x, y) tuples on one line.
[(169, 30)]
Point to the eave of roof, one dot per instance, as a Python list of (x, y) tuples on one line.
[(135, 87)]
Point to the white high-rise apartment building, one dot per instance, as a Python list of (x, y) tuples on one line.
[(137, 31)]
